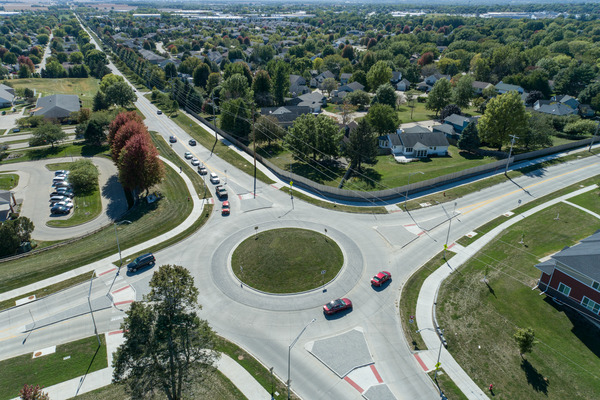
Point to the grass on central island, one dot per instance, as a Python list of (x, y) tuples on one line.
[(8, 181), (287, 260)]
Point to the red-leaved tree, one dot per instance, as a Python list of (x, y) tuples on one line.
[(30, 392), (25, 61), (120, 120), (125, 132), (139, 165)]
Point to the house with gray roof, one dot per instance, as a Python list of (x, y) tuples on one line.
[(345, 78), (415, 142), (298, 85), (572, 276), (151, 57), (479, 86), (285, 115), (458, 122), (403, 85), (314, 100), (502, 88), (59, 106), (556, 109), (7, 96)]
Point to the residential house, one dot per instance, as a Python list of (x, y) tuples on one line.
[(351, 87), (458, 122), (7, 96), (151, 57), (396, 77), (415, 142), (505, 88), (403, 85), (448, 131), (572, 276), (555, 109), (298, 85), (539, 103), (566, 100), (432, 79), (317, 81), (345, 78), (314, 100), (285, 115), (164, 63), (479, 87), (59, 106), (586, 110)]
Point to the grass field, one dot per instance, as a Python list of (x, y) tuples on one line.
[(85, 209), (479, 319), (149, 220), (85, 88), (84, 355), (74, 149), (8, 181), (447, 385), (270, 265), (335, 206), (589, 200)]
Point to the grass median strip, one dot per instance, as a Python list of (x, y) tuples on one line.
[(335, 206), (8, 181), (447, 386), (74, 149), (69, 361)]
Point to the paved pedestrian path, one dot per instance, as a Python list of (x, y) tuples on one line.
[(428, 297)]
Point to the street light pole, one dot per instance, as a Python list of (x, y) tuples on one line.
[(593, 137), (407, 185), (512, 143), (290, 353), (437, 365)]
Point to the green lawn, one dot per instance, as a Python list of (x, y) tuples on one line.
[(589, 200), (479, 319), (335, 206), (85, 88), (85, 209), (270, 265), (8, 181), (409, 295), (420, 113), (149, 220), (447, 385), (207, 140), (74, 149), (84, 355)]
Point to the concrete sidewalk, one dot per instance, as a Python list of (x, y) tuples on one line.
[(189, 221), (428, 296)]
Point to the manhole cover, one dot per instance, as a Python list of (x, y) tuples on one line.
[(240, 358)]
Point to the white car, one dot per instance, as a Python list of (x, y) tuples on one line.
[(214, 178), (188, 155), (66, 203), (195, 161)]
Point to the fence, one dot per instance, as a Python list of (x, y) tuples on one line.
[(393, 193)]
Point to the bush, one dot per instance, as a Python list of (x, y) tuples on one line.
[(583, 127), (84, 177)]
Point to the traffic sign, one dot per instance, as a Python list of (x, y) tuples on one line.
[(411, 320), (323, 272), (437, 366)]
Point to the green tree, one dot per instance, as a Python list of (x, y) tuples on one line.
[(383, 119), (236, 117), (361, 146), (23, 227), (440, 96), (266, 129), (166, 345), (201, 74), (84, 177), (47, 133), (262, 87), (54, 70), (121, 94), (214, 79), (379, 74), (108, 80), (329, 85), (386, 94), (281, 82), (504, 116), (99, 102), (76, 57), (358, 98), (94, 133), (539, 133), (525, 338), (316, 137), (170, 70), (236, 86), (9, 241), (463, 92), (469, 138)]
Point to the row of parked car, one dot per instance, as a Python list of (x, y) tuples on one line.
[(61, 197)]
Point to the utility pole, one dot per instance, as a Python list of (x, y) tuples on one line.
[(594, 137), (254, 145), (214, 120), (512, 142)]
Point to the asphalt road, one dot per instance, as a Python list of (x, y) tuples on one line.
[(266, 324)]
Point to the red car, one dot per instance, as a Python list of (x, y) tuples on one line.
[(225, 208), (337, 305), (381, 278)]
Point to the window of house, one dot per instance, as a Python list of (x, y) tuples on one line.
[(596, 285), (564, 289), (590, 305), (409, 149)]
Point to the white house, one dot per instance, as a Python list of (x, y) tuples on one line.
[(415, 142)]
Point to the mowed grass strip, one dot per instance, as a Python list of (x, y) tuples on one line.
[(8, 181), (287, 260), (85, 88), (53, 368), (480, 320), (85, 209), (148, 221), (74, 149), (589, 200), (335, 206)]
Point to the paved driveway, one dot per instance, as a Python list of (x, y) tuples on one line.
[(35, 186), (9, 120)]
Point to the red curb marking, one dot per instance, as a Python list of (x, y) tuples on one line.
[(123, 288), (275, 186), (376, 373), (451, 245), (239, 196), (123, 302), (353, 384), (421, 233), (421, 362), (395, 211), (107, 272), (115, 332), (410, 225)]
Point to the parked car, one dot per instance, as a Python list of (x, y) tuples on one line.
[(202, 169), (192, 142), (221, 192), (172, 139), (195, 161), (63, 184), (336, 306), (225, 209), (60, 210), (158, 112), (141, 262), (61, 172), (15, 130), (59, 178), (214, 178), (67, 192), (57, 198), (65, 203), (381, 278), (188, 155)]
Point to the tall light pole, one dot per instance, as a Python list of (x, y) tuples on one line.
[(407, 185), (593, 137), (512, 143), (437, 365), (290, 353)]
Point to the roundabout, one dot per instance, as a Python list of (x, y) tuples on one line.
[(227, 280)]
